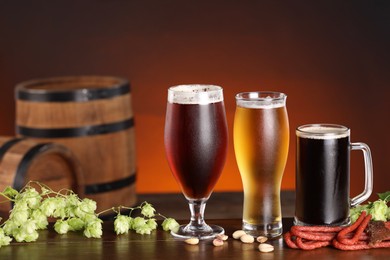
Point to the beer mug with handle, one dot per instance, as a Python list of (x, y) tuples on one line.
[(322, 175)]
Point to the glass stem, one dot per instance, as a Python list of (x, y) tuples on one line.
[(197, 208)]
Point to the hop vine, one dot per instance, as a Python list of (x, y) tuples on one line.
[(143, 224), (32, 209)]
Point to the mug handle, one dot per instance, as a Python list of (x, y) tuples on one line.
[(368, 173)]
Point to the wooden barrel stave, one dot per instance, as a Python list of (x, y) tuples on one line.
[(70, 114), (49, 163), (97, 127)]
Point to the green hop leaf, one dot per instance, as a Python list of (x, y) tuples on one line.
[(4, 239), (19, 235), (170, 224), (27, 232), (2, 233), (61, 226), (19, 216), (151, 223), (40, 219), (88, 205), (31, 196), (72, 204), (20, 205), (121, 224), (29, 226), (94, 229), (355, 212), (32, 209), (138, 222), (384, 196), (147, 210), (10, 226), (10, 192), (60, 208), (89, 218), (378, 210), (143, 230), (31, 237), (75, 224), (72, 200), (48, 206), (130, 219)]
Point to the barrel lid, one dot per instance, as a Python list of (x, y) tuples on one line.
[(71, 89)]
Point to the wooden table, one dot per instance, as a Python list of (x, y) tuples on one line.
[(161, 245)]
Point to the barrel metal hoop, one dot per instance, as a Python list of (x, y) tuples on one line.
[(75, 131), (7, 145), (110, 186), (78, 95), (25, 163)]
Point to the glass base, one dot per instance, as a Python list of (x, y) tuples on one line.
[(271, 230), (346, 222), (202, 233)]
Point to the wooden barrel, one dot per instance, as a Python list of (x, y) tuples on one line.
[(23, 160), (93, 116)]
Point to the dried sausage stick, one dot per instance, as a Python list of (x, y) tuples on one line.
[(311, 244), (358, 232), (290, 243), (381, 244), (317, 228), (363, 236), (360, 245), (352, 227), (318, 236), (356, 246)]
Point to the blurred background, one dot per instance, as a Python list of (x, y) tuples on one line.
[(330, 57)]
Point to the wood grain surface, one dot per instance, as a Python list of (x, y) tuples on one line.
[(161, 245)]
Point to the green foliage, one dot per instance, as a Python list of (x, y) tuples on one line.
[(378, 209), (33, 208)]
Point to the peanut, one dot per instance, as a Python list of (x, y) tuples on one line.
[(192, 241), (247, 239), (261, 239), (222, 237), (265, 248), (238, 233), (217, 242)]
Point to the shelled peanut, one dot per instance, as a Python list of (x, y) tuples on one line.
[(238, 235), (245, 238)]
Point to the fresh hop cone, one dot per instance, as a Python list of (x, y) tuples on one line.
[(33, 208)]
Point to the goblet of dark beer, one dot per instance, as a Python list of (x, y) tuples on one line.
[(196, 139)]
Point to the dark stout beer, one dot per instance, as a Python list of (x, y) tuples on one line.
[(322, 180)]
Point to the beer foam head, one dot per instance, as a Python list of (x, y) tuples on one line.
[(323, 131), (262, 100), (195, 94)]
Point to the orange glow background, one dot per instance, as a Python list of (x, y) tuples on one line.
[(330, 58)]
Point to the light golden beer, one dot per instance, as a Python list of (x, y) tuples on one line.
[(261, 140)]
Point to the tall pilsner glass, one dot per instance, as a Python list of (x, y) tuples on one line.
[(196, 139), (261, 140)]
